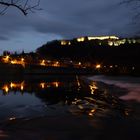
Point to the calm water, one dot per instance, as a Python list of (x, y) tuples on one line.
[(34, 97), (69, 96), (55, 96)]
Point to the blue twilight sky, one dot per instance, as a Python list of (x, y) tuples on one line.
[(65, 19)]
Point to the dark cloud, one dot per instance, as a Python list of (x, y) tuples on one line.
[(3, 38), (68, 19), (80, 17)]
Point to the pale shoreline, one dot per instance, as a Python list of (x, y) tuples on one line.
[(130, 84)]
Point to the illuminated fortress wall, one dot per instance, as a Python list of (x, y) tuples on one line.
[(112, 40)]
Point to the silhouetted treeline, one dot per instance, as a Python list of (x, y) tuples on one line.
[(93, 51)]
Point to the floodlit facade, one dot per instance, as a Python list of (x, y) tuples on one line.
[(111, 40), (65, 42), (103, 37), (81, 39)]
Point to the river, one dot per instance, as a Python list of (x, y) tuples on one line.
[(70, 107)]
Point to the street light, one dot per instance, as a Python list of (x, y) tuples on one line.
[(98, 66)]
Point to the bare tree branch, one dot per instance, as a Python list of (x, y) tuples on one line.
[(23, 5)]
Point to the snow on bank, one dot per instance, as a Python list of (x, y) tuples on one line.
[(132, 84)]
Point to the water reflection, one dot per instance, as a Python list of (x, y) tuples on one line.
[(93, 87), (60, 95), (22, 86)]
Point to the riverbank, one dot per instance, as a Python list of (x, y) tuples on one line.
[(128, 83), (19, 70)]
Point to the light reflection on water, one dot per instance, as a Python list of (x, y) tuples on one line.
[(57, 96), (131, 84), (21, 86)]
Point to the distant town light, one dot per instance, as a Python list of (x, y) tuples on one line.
[(42, 85), (110, 43), (56, 64), (13, 62), (63, 42), (22, 87), (81, 39), (80, 63), (69, 43), (98, 66), (5, 88), (22, 59), (12, 85), (134, 41), (55, 84), (116, 44), (6, 59), (42, 63)]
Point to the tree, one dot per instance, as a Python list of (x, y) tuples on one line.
[(24, 6)]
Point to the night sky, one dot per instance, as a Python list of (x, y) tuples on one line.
[(65, 19)]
